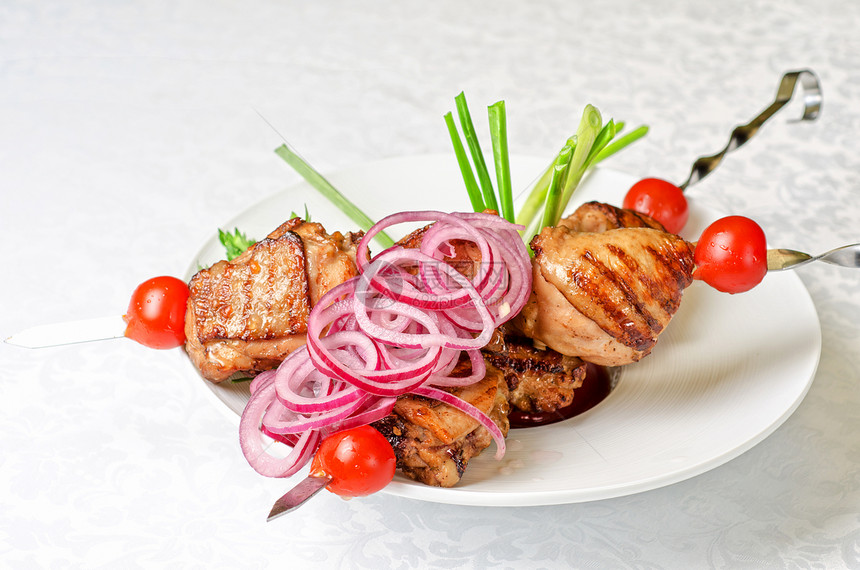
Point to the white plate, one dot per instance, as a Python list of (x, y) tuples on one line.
[(724, 375)]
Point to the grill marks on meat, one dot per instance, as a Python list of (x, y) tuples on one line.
[(605, 297), (434, 442), (248, 314), (256, 296), (538, 380)]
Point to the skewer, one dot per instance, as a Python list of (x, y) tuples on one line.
[(782, 259), (812, 98), (86, 330)]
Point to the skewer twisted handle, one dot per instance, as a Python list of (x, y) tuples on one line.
[(812, 99)]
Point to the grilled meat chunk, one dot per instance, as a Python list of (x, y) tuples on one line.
[(600, 217), (434, 442), (605, 297), (248, 314), (539, 381)]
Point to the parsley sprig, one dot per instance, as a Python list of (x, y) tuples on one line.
[(235, 243)]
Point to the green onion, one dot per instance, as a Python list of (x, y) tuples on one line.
[(586, 134), (551, 193), (606, 134), (622, 142), (477, 154), (465, 168), (537, 197), (483, 196), (331, 193), (554, 195), (499, 137), (592, 143)]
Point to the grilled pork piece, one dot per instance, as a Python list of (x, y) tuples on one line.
[(600, 217), (248, 314), (539, 381), (434, 442), (605, 297)]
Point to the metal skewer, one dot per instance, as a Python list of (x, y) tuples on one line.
[(57, 334), (812, 99), (781, 259), (298, 495)]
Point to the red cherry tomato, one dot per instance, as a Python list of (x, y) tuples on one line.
[(156, 313), (731, 255), (360, 461), (661, 200)]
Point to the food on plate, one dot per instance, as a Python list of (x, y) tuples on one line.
[(539, 380), (607, 281), (247, 314), (437, 339), (434, 441), (605, 297), (156, 313), (436, 429), (731, 255), (405, 331), (433, 437)]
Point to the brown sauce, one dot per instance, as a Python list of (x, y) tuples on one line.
[(595, 387)]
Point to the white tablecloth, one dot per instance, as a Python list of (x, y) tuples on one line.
[(130, 131)]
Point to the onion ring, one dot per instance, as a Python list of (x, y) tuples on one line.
[(398, 327)]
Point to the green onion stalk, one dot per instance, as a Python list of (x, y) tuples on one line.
[(476, 175), (593, 142), (324, 187)]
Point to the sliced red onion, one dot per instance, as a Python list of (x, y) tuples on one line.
[(259, 379), (399, 327), (251, 439), (282, 420)]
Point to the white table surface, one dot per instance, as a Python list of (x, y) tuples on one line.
[(130, 131)]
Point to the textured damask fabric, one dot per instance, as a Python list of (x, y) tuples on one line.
[(131, 131)]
